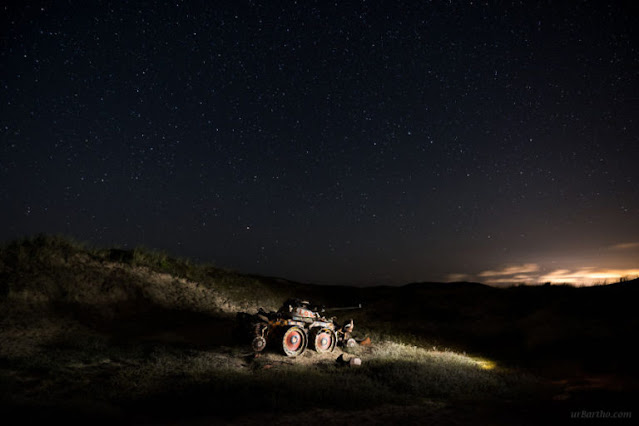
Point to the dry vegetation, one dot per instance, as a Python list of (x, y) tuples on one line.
[(111, 335)]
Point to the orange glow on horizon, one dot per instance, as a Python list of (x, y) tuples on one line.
[(532, 274), (589, 276)]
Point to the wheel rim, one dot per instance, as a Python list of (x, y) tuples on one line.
[(294, 341), (325, 340), (258, 344)]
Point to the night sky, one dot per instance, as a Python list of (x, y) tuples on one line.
[(340, 142)]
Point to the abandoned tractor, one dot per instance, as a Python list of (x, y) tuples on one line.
[(294, 327)]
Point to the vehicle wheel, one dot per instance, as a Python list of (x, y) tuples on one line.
[(294, 341), (258, 344), (324, 340)]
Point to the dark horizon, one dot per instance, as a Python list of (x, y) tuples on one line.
[(330, 143), (125, 255)]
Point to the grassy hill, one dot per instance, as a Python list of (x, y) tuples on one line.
[(137, 336)]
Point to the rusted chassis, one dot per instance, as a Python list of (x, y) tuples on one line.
[(292, 336)]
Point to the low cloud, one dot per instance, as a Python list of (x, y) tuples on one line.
[(511, 270), (517, 279), (458, 277), (526, 273), (625, 246)]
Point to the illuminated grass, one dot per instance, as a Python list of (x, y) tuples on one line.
[(138, 377), (394, 351), (43, 270)]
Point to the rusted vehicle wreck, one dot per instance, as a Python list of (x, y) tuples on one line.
[(294, 327)]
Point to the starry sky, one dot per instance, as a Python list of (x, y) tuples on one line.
[(348, 142)]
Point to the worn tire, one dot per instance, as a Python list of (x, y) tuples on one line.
[(294, 341), (323, 339)]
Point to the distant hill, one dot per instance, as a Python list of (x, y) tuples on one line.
[(47, 271)]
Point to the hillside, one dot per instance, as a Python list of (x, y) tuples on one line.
[(140, 337)]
